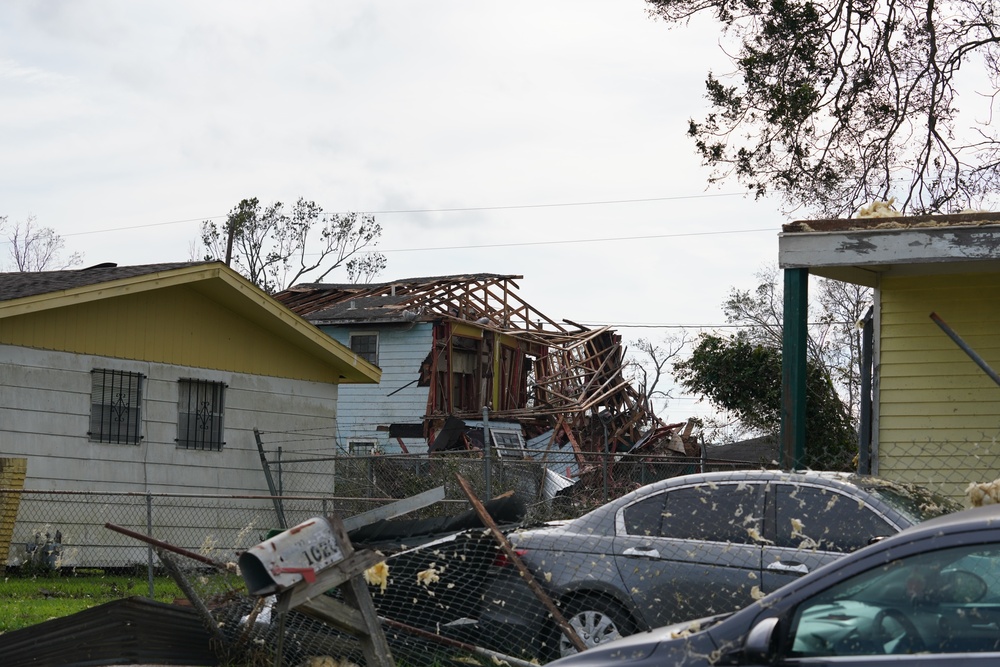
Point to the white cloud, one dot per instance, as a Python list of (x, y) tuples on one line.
[(119, 114)]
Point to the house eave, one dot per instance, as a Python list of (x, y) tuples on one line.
[(227, 287), (859, 251)]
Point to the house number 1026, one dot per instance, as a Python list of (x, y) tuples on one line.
[(321, 554)]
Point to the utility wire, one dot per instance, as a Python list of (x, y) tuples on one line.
[(598, 240), (434, 210)]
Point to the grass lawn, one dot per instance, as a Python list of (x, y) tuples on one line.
[(27, 600)]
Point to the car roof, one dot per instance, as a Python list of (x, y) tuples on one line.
[(606, 512), (829, 478), (976, 518)]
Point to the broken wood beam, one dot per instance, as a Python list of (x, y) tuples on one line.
[(526, 574)]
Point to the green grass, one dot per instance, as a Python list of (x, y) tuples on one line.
[(27, 600)]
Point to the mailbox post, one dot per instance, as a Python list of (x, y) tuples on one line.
[(302, 563)]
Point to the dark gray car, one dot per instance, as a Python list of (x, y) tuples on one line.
[(690, 547), (929, 596)]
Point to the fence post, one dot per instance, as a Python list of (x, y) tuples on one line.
[(279, 509), (487, 453), (281, 486), (149, 548), (604, 460)]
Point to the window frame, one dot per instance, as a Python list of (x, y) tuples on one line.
[(364, 355), (371, 443), (215, 441), (507, 448), (898, 564), (131, 434)]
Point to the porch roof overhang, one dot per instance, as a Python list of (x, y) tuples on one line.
[(860, 250)]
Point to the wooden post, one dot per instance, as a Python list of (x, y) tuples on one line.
[(512, 556), (356, 615)]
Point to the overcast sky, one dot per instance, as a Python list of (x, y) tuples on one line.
[(543, 138)]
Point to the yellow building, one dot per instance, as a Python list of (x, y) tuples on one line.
[(935, 416), (157, 379)]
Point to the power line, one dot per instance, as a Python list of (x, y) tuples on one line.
[(653, 325), (597, 240), (579, 203), (434, 210)]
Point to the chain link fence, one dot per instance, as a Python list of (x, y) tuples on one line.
[(600, 546)]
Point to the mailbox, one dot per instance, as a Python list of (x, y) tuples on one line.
[(298, 554)]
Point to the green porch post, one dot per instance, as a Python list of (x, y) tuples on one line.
[(793, 370)]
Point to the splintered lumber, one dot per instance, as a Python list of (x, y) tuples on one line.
[(526, 574)]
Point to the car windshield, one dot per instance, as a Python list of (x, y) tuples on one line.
[(915, 502)]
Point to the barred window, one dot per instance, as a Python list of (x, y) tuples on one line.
[(365, 345), (115, 406), (200, 409)]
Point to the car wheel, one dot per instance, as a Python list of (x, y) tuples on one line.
[(596, 619)]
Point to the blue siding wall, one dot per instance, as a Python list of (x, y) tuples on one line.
[(361, 409)]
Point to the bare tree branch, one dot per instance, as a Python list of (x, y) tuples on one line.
[(274, 250), (834, 105), (34, 248)]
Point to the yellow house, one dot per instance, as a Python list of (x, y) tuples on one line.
[(935, 406), (157, 379)]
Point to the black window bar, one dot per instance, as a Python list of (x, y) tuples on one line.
[(200, 414), (115, 410)]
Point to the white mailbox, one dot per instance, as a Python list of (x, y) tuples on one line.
[(298, 554)]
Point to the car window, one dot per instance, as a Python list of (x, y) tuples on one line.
[(912, 501), (644, 517), (712, 512), (944, 601), (819, 518)]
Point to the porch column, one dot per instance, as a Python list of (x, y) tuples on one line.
[(793, 369)]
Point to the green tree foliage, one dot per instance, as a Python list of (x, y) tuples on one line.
[(744, 379), (835, 104), (274, 249), (741, 375), (833, 340)]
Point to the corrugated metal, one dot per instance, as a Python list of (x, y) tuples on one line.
[(935, 404), (125, 632)]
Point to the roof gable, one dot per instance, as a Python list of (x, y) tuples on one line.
[(193, 314)]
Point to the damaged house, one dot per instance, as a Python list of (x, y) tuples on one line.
[(450, 346)]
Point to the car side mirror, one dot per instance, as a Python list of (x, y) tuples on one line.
[(758, 648)]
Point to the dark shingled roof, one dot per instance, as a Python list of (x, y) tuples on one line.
[(21, 285)]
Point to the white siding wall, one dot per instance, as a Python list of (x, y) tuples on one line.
[(363, 408), (44, 416)]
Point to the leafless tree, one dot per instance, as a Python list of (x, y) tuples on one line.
[(274, 249), (34, 248), (648, 365)]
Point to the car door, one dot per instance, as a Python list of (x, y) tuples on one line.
[(927, 607), (692, 551), (808, 526)]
